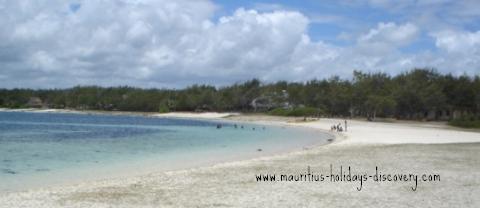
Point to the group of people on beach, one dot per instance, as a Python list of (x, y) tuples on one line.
[(338, 127)]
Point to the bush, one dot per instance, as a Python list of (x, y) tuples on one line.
[(297, 112), (163, 108), (279, 112), (465, 122)]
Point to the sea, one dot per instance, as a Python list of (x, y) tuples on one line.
[(42, 149)]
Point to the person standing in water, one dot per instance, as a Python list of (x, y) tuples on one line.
[(345, 125)]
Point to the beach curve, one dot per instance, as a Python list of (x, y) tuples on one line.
[(232, 184)]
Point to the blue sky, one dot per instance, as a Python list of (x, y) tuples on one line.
[(166, 43)]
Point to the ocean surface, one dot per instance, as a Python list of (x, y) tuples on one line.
[(46, 149)]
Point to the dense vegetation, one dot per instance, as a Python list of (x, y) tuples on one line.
[(416, 94), (296, 111), (466, 122)]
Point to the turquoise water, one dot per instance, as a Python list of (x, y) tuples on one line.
[(41, 149)]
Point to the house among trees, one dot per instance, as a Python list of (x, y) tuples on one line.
[(34, 102), (268, 102)]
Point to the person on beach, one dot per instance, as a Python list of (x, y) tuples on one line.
[(339, 127)]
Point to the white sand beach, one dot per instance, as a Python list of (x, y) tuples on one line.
[(201, 115), (398, 147)]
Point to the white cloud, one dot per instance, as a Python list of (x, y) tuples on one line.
[(43, 61), (459, 50), (391, 34), (458, 41), (165, 43)]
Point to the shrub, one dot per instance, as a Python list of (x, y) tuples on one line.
[(465, 122), (279, 112), (163, 108), (297, 112)]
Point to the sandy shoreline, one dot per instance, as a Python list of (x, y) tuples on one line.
[(393, 147), (189, 115)]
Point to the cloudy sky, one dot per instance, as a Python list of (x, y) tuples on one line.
[(175, 43)]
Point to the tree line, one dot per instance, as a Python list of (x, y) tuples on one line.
[(415, 94)]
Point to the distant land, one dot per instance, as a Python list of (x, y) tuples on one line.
[(419, 94)]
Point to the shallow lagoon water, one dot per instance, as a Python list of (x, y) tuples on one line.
[(42, 149)]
